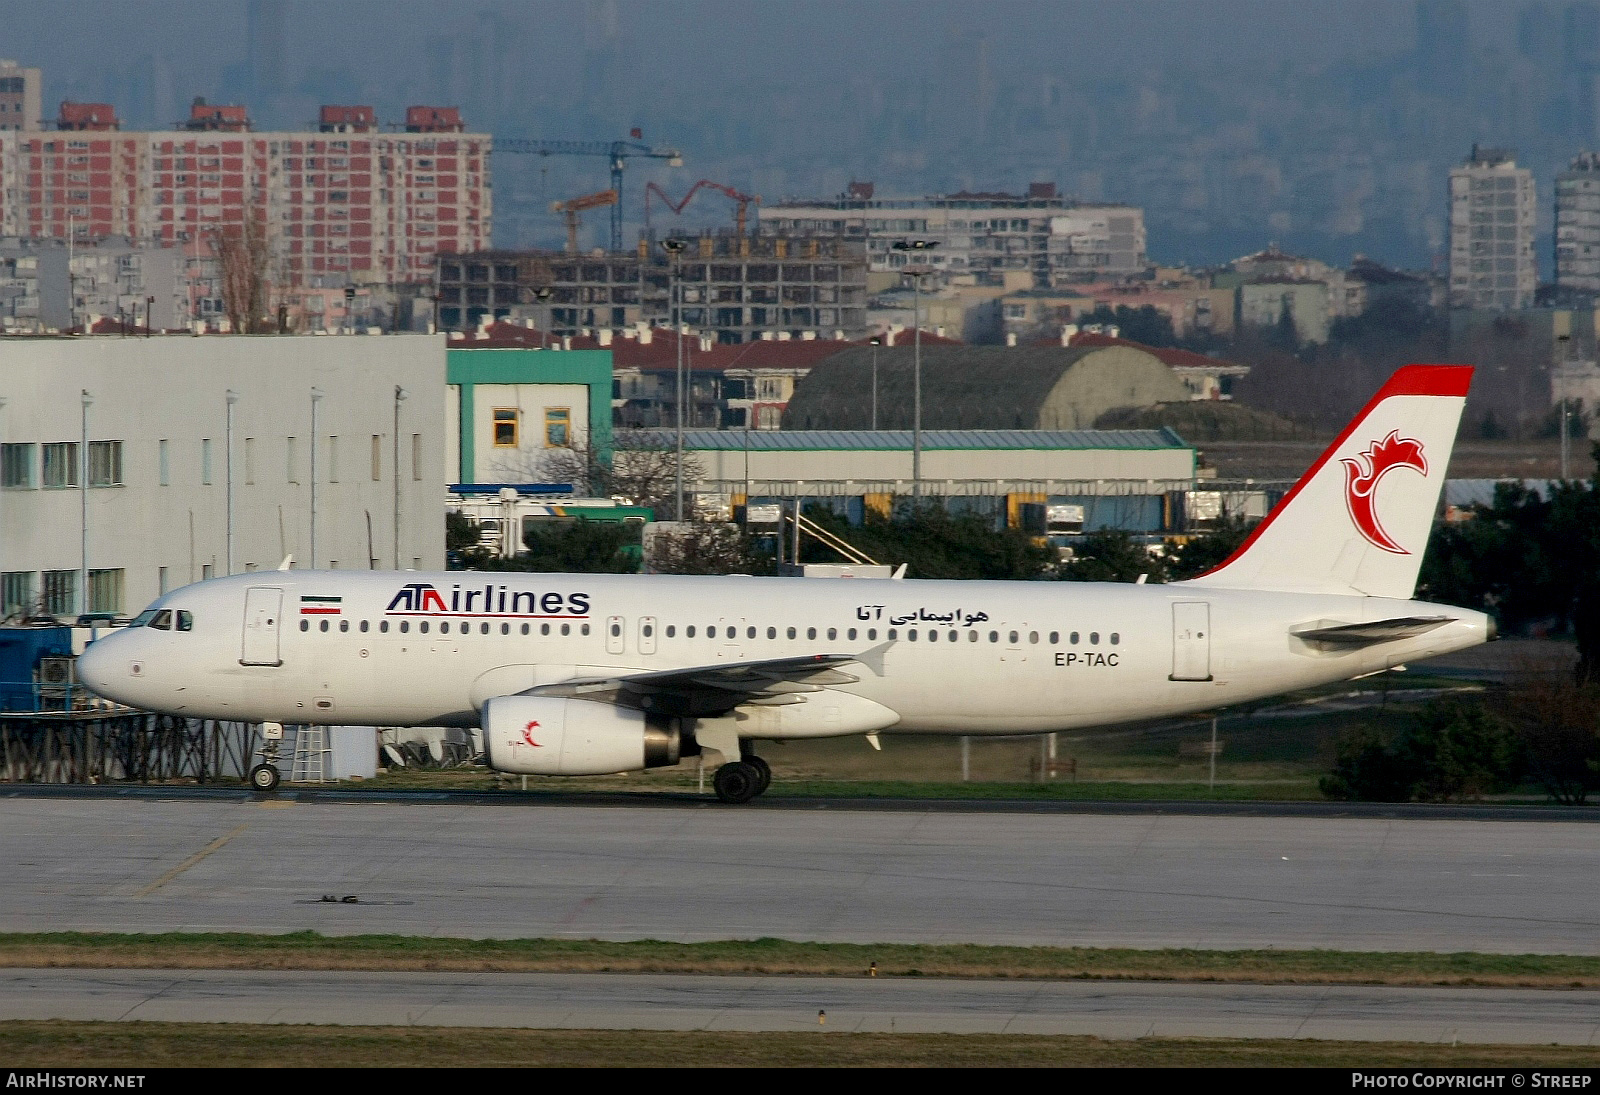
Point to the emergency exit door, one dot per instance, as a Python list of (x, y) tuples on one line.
[(263, 609), (1191, 641)]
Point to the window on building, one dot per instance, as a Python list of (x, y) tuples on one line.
[(249, 460), (333, 458), (557, 427), (377, 457), (16, 593), (505, 427), (416, 457), (105, 591), (205, 461), (163, 464), (162, 583), (61, 464), (16, 466), (206, 571), (289, 457), (105, 463), (60, 592)]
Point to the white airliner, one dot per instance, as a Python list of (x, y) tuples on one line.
[(579, 674)]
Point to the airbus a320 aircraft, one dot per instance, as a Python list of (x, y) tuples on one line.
[(573, 674)]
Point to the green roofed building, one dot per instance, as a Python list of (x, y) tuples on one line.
[(1132, 479), (507, 408)]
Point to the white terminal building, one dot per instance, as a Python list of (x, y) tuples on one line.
[(148, 510)]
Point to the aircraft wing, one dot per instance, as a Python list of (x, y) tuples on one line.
[(706, 691), (1378, 631)]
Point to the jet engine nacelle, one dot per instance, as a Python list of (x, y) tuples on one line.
[(547, 736)]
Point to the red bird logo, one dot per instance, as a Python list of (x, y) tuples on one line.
[(527, 734), (1361, 477)]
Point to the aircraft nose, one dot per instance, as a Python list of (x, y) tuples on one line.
[(97, 668)]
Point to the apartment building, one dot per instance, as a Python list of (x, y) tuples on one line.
[(735, 288), (981, 236), (1578, 225), (347, 203), (19, 96), (1492, 217)]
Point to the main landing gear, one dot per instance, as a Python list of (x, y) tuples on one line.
[(742, 780)]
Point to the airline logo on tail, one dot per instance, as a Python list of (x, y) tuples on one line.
[(1362, 476)]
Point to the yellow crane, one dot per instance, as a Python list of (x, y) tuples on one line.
[(573, 206)]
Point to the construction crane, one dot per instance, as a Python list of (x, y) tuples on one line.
[(573, 206), (743, 200), (617, 152)]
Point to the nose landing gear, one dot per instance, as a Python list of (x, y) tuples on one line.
[(264, 777)]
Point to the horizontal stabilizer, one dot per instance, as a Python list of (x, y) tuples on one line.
[(1379, 631)]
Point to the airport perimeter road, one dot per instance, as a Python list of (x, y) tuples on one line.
[(672, 1002), (145, 865)]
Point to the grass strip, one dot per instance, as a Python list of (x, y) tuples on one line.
[(313, 951), (66, 1044)]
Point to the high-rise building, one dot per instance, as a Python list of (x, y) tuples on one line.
[(1492, 210), (19, 96), (345, 203), (980, 236), (1578, 225)]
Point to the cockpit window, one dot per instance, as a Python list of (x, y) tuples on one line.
[(185, 621), (143, 619), (162, 620)]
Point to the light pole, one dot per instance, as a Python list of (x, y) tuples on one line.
[(316, 397), (674, 247), (230, 397), (916, 272), (400, 396), (83, 500), (543, 295), (875, 341)]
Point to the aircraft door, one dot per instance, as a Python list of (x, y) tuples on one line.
[(263, 616), (1191, 641), (615, 639), (647, 634)]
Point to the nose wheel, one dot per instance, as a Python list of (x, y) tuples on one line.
[(264, 778)]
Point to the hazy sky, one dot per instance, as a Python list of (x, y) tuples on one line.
[(919, 95)]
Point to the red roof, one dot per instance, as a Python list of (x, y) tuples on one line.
[(1171, 356), (627, 352)]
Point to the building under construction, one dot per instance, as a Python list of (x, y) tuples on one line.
[(740, 287)]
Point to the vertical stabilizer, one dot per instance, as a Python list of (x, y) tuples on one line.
[(1358, 520)]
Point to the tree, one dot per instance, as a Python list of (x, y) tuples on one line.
[(1557, 719), (244, 256), (1455, 749), (1208, 550), (1146, 324), (1112, 555), (642, 467), (580, 547), (708, 547), (935, 544)]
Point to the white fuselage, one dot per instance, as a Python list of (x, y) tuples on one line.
[(386, 648)]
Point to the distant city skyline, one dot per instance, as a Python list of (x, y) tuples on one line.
[(1233, 123)]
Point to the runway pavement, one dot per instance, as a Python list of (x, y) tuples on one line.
[(671, 1002), (890, 875)]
